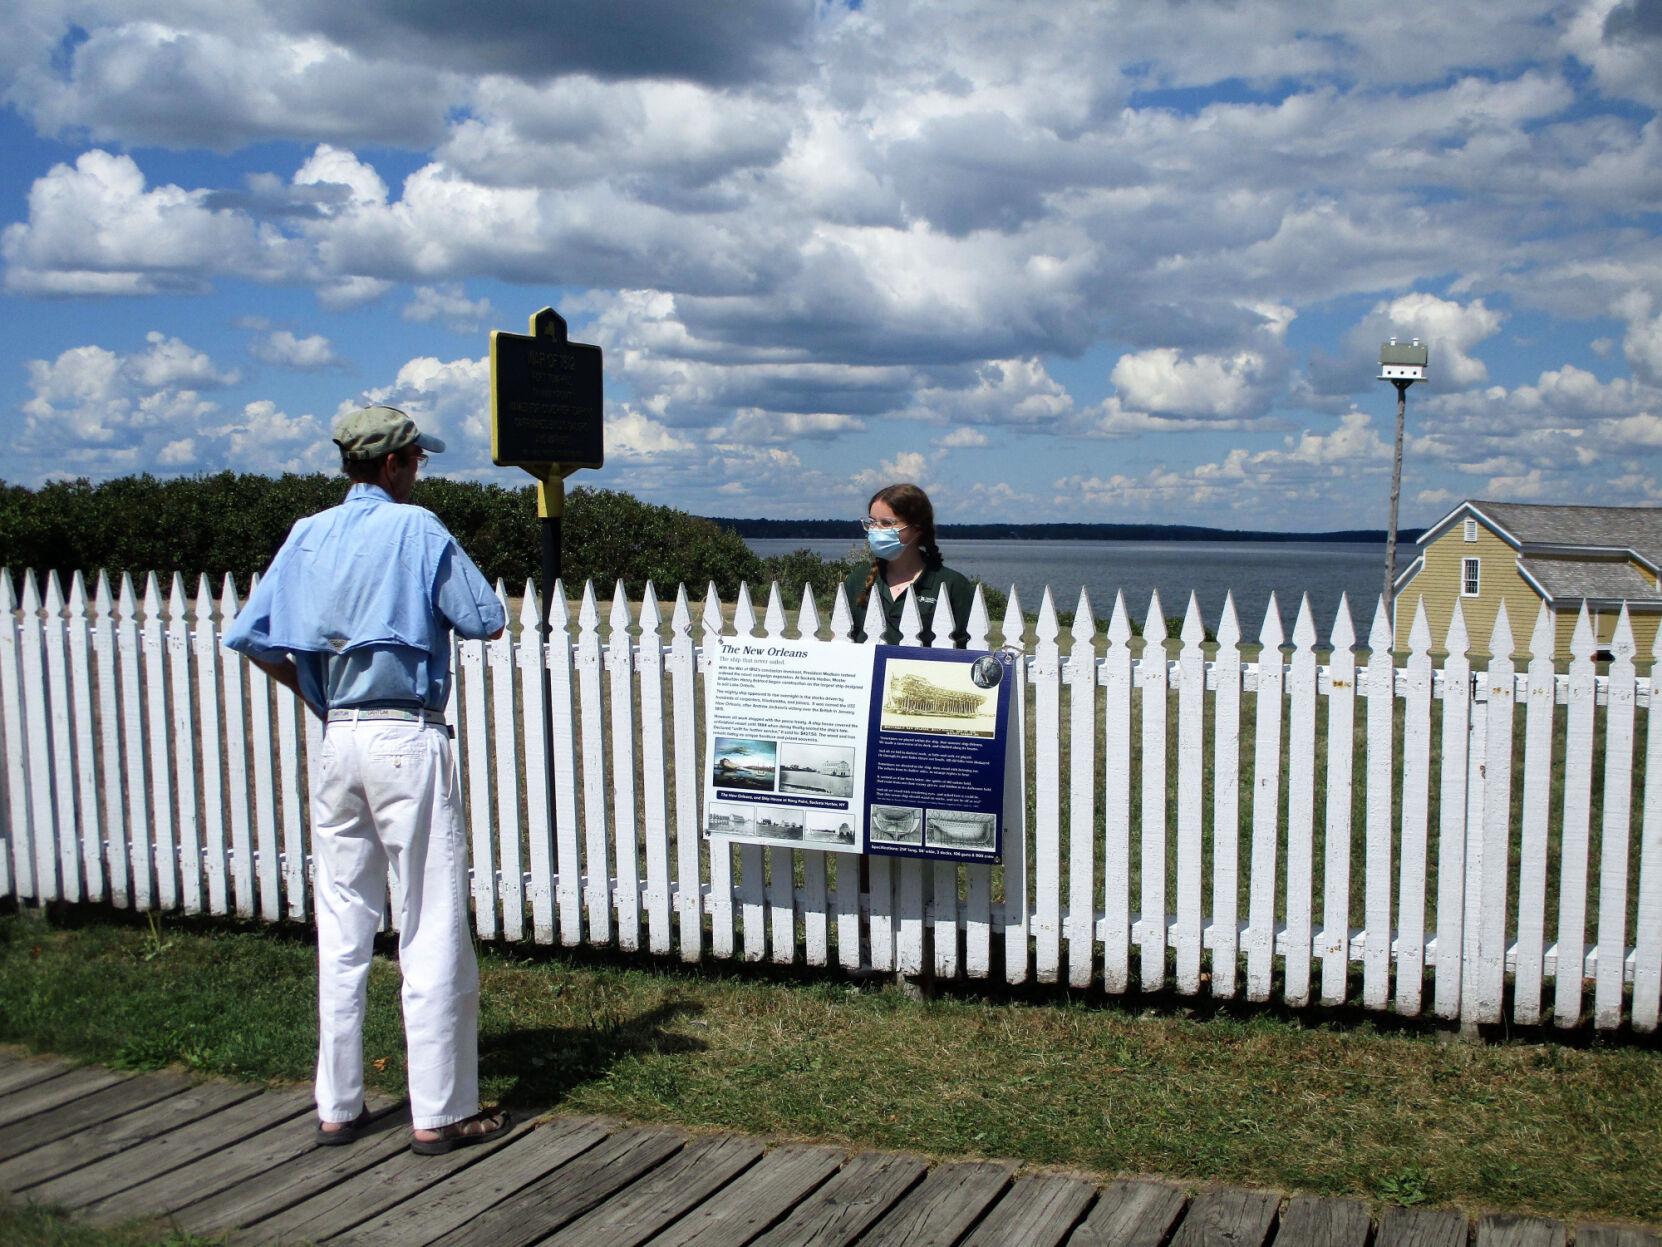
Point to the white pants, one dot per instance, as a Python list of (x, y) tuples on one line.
[(384, 797)]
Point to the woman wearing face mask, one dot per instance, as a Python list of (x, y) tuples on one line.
[(900, 529)]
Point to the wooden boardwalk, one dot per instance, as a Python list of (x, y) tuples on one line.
[(225, 1158)]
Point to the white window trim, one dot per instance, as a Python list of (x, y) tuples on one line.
[(1475, 578)]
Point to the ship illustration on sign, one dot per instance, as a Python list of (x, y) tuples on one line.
[(914, 695)]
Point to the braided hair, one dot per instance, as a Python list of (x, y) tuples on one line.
[(911, 504)]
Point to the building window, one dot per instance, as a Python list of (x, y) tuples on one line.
[(1471, 529), (1468, 578)]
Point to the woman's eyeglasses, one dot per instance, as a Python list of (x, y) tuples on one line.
[(887, 526)]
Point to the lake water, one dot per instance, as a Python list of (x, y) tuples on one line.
[(1252, 570)]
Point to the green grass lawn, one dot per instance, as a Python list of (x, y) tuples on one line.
[(1336, 1106)]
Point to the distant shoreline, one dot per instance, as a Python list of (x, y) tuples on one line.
[(833, 529)]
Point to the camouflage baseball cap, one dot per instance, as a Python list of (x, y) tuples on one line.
[(371, 432)]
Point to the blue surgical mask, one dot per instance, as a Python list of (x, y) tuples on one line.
[(885, 543)]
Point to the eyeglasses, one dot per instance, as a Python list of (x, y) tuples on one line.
[(888, 526), (421, 457)]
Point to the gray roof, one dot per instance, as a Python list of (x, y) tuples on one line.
[(1623, 528), (1569, 580)]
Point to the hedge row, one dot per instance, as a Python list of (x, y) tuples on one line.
[(234, 522)]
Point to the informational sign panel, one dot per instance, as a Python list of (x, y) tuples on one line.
[(857, 748), (546, 398), (935, 761)]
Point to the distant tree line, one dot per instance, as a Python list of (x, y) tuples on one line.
[(826, 529), (234, 522)]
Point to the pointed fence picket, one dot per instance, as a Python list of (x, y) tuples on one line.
[(146, 765), (91, 864), (1259, 937), (1115, 674), (53, 642), (236, 763), (115, 844), (1416, 814), (1334, 943), (1080, 679), (1301, 808), (1226, 801)]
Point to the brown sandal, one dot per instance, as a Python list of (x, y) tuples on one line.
[(346, 1132), (482, 1127)]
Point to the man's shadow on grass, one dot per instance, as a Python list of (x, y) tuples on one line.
[(543, 1065)]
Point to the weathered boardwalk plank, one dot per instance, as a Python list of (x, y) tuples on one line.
[(283, 1186), (401, 1177), (681, 1183), (97, 1182), (1313, 1222), (218, 1158), (100, 1106), (15, 1075), (1228, 1215), (1421, 1227), (1131, 1214), (938, 1211), (444, 1207), (560, 1197), (53, 1094), (841, 1210), (759, 1197), (1037, 1211), (1615, 1236), (1506, 1230), (120, 1134), (282, 1140)]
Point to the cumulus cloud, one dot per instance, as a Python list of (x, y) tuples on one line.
[(1001, 391), (1201, 386), (284, 350), (448, 303), (728, 45), (95, 229), (1642, 344), (95, 412), (147, 82)]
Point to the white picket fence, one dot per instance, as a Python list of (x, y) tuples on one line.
[(147, 766)]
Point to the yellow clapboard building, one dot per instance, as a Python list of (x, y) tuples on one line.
[(1484, 553)]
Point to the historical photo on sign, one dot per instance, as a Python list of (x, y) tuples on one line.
[(750, 765), (778, 822), (830, 829), (896, 824), (823, 770), (937, 697), (730, 820), (959, 829)]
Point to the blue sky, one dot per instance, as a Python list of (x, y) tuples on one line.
[(1073, 261)]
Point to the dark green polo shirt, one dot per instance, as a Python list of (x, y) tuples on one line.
[(928, 587)]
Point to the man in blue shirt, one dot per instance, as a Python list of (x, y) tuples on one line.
[(355, 615)]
